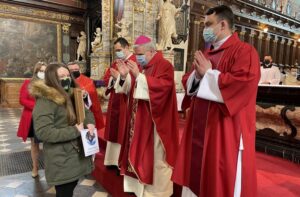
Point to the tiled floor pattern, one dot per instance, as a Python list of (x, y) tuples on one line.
[(23, 185), (9, 122)]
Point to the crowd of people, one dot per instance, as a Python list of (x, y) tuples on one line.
[(214, 156)]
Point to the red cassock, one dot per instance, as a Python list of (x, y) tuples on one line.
[(88, 85), (116, 111), (159, 112), (28, 102), (207, 160), (186, 102)]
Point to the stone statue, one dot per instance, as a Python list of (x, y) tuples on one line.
[(82, 45), (167, 24), (123, 25), (97, 43), (274, 4), (288, 8)]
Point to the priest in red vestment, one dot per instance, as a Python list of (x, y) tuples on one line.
[(151, 142), (217, 151), (117, 105), (92, 99)]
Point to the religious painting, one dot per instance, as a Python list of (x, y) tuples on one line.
[(23, 44), (178, 59)]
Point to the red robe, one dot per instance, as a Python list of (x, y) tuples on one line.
[(160, 111), (28, 102), (116, 111), (186, 102), (207, 160), (88, 85)]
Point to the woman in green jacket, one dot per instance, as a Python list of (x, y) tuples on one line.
[(55, 124)]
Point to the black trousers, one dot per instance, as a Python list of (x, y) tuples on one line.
[(65, 190)]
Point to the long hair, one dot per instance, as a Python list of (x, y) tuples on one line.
[(52, 80), (37, 68)]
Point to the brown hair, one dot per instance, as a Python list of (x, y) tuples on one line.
[(37, 68), (52, 80)]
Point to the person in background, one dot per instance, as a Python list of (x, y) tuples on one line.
[(117, 106), (26, 125), (88, 86), (270, 74), (56, 125)]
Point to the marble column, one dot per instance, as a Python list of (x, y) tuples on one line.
[(281, 51), (274, 49), (286, 53), (259, 44), (242, 34), (294, 51), (252, 37), (267, 45)]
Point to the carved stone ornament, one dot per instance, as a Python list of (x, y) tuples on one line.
[(272, 20), (253, 14), (66, 28)]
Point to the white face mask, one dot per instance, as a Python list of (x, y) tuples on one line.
[(41, 75)]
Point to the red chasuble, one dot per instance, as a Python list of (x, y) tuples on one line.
[(88, 85), (116, 111), (207, 160), (159, 112)]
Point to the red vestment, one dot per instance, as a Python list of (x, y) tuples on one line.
[(186, 102), (88, 85), (116, 111), (207, 160), (159, 112)]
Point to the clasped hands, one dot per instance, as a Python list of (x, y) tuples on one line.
[(124, 68), (201, 63)]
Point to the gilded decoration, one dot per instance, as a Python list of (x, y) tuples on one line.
[(38, 13), (66, 28)]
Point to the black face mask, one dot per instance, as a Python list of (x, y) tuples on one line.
[(66, 83), (267, 64), (76, 74)]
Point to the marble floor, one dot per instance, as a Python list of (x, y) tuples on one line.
[(15, 165)]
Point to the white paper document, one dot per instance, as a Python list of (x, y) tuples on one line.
[(90, 142)]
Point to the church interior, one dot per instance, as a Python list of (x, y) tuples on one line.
[(84, 31)]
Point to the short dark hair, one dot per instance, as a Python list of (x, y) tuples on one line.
[(123, 42), (73, 63), (224, 13)]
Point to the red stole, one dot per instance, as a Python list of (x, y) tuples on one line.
[(88, 85), (159, 112), (116, 111)]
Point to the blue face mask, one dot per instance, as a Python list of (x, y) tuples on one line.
[(208, 35), (120, 55), (141, 59)]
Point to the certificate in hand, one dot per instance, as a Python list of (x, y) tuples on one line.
[(89, 142)]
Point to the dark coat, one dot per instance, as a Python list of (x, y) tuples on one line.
[(63, 154)]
